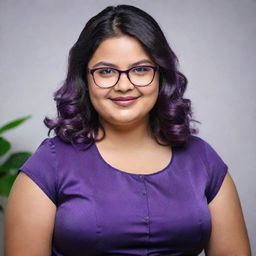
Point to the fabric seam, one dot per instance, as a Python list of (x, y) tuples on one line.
[(53, 151), (211, 197), (26, 170)]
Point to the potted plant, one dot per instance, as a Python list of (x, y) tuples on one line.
[(13, 161)]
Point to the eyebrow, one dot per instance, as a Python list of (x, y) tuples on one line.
[(104, 63)]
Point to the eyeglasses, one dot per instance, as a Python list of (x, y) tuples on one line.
[(109, 77)]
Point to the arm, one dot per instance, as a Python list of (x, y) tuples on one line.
[(29, 219), (229, 235)]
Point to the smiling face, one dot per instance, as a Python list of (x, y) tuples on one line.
[(122, 52)]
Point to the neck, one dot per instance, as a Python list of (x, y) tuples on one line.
[(128, 135)]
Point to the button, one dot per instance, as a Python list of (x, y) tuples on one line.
[(144, 192), (146, 218)]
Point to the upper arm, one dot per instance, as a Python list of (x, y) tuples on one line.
[(229, 235), (29, 219)]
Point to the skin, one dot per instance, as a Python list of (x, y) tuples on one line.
[(123, 124), (30, 213), (126, 127)]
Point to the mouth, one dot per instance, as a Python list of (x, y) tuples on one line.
[(124, 101)]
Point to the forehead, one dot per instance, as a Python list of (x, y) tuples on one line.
[(122, 50)]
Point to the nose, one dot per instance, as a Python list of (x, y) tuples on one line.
[(124, 83)]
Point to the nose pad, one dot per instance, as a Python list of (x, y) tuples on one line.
[(124, 83)]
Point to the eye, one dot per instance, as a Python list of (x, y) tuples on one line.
[(141, 70), (106, 71)]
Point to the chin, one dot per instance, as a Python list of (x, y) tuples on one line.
[(123, 121), (128, 120)]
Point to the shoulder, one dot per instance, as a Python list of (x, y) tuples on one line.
[(196, 141), (69, 154), (56, 141), (207, 152), (195, 146), (200, 145), (60, 145)]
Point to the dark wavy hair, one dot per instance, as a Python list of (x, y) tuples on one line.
[(77, 121)]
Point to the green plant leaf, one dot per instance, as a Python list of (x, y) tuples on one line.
[(4, 146), (3, 169), (13, 124), (15, 161), (6, 184)]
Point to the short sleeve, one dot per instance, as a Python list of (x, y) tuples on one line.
[(41, 168), (216, 169)]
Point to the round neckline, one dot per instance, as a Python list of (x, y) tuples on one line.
[(134, 174)]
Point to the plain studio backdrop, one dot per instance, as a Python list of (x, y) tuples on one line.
[(215, 42)]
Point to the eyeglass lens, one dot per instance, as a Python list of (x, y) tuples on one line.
[(107, 77)]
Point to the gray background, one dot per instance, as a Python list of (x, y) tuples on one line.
[(214, 41)]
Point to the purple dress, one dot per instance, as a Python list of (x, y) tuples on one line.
[(105, 211)]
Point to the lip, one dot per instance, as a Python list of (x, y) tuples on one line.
[(125, 98), (124, 101)]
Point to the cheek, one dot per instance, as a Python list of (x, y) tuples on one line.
[(98, 98), (152, 92), (154, 95)]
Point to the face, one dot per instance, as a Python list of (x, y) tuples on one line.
[(123, 52)]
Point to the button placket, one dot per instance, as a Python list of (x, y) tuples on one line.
[(144, 193)]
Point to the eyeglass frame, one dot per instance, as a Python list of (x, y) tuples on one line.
[(91, 71)]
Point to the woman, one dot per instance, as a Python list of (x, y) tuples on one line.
[(124, 175)]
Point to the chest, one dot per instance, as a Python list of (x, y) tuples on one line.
[(138, 162), (105, 212)]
